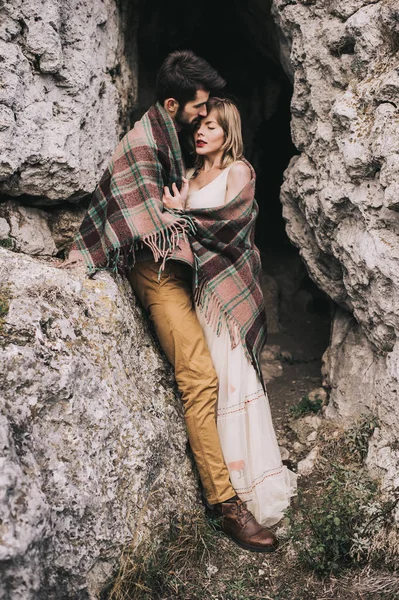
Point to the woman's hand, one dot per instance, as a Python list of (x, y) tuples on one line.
[(176, 199)]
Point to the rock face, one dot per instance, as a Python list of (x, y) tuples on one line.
[(92, 438), (66, 87), (340, 195), (38, 232)]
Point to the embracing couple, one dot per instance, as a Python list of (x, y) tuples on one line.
[(185, 240)]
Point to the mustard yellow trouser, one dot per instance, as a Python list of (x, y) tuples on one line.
[(170, 304)]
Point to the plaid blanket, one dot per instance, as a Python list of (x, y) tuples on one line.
[(228, 270), (126, 212)]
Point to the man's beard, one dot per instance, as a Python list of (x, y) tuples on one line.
[(182, 121)]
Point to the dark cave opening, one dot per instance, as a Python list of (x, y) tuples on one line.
[(241, 41)]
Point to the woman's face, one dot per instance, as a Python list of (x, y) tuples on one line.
[(209, 136)]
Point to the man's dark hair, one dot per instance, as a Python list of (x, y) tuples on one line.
[(182, 74)]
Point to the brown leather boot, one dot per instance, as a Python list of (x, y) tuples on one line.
[(242, 527)]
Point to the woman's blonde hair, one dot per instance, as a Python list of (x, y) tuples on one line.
[(228, 117)]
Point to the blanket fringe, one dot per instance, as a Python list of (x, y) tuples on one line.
[(163, 243), (122, 257), (215, 315), (208, 303)]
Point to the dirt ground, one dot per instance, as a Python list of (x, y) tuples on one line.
[(304, 335)]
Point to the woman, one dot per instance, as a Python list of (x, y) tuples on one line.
[(218, 196)]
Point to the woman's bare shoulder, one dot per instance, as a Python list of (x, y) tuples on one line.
[(238, 177), (239, 171)]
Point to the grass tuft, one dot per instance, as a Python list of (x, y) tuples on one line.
[(166, 569), (345, 520)]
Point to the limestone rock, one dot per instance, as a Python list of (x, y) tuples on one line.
[(363, 381), (66, 91), (271, 370), (383, 459), (298, 447), (92, 436), (340, 195), (311, 437), (38, 232), (63, 224), (4, 229), (270, 362), (28, 229), (24, 513), (349, 369), (285, 453), (307, 465), (306, 426), (271, 352)]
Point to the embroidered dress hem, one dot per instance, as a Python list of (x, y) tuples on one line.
[(246, 431)]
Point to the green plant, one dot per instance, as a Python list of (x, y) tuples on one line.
[(306, 406), (6, 243), (322, 532), (237, 590), (377, 538), (346, 446), (4, 303), (356, 438), (346, 521)]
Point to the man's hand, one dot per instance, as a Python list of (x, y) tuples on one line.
[(177, 199), (75, 259)]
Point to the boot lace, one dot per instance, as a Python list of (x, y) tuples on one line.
[(243, 514)]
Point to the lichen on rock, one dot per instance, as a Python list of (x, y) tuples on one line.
[(93, 436)]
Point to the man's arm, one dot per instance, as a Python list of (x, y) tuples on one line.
[(75, 259)]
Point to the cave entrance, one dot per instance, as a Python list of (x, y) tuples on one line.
[(241, 41)]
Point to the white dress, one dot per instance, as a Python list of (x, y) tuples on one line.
[(244, 421)]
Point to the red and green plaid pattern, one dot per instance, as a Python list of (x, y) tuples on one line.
[(126, 214), (126, 211), (229, 268)]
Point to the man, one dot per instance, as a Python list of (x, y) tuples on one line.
[(127, 228)]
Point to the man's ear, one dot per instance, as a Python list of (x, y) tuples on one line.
[(172, 106)]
